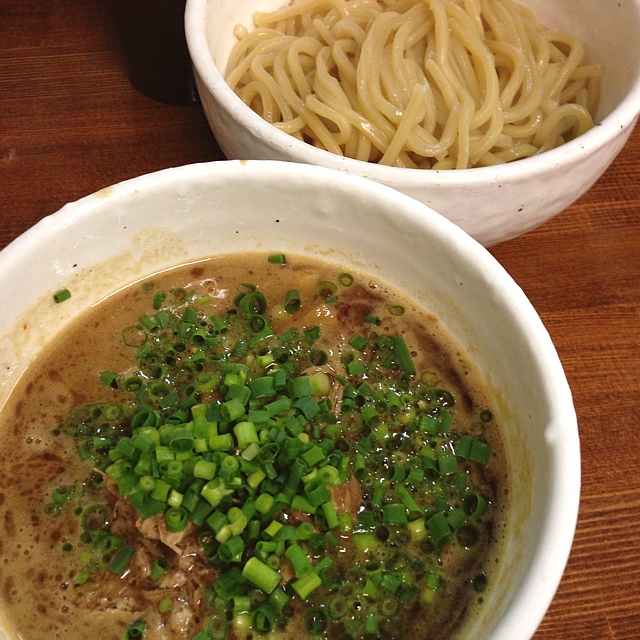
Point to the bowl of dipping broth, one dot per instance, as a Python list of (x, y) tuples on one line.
[(331, 413), (496, 131)]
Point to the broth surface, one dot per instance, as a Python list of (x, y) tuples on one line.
[(397, 573)]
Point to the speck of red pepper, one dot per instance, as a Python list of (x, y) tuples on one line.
[(343, 314)]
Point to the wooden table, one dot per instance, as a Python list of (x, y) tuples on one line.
[(70, 123)]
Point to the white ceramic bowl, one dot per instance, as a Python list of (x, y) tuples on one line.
[(133, 229), (492, 204)]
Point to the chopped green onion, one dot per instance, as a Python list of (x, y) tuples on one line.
[(216, 627), (316, 492), (468, 535), (371, 626), (315, 620), (259, 574), (122, 559), (480, 452), (263, 618), (326, 290), (297, 556), (61, 494), (304, 586), (246, 434), (403, 357), (292, 301), (358, 343), (229, 583), (166, 604), (474, 504), (176, 519), (135, 630), (158, 569), (439, 528), (95, 517), (304, 530), (61, 296), (337, 607), (395, 514), (231, 550)]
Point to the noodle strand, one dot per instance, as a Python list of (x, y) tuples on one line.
[(440, 84)]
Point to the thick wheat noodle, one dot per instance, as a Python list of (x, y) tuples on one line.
[(558, 119), (323, 110), (472, 8), (464, 68), (324, 31), (572, 61), (372, 102), (478, 146), (464, 139), (331, 92), (487, 66), (325, 85), (296, 9), (411, 117), (293, 127), (301, 51), (260, 69), (266, 41), (367, 130), (326, 92), (443, 84), (510, 58), (298, 105), (256, 90), (410, 29)]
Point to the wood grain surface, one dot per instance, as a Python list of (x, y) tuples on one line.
[(70, 124)]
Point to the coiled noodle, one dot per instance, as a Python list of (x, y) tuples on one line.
[(442, 84)]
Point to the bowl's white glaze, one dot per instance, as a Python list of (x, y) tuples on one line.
[(492, 204), (122, 233)]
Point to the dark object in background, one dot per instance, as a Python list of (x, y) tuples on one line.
[(155, 49)]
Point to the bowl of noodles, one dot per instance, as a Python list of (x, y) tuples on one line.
[(223, 421), (495, 114)]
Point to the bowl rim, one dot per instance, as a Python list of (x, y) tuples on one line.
[(545, 570), (619, 119)]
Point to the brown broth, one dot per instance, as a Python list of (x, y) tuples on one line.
[(37, 585)]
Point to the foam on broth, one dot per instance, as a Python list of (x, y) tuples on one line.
[(42, 554)]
